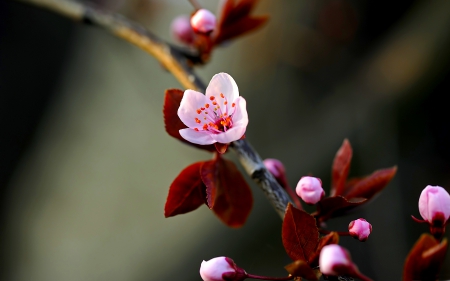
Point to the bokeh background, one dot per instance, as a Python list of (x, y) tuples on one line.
[(85, 163)]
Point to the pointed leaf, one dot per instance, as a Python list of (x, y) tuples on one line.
[(341, 167), (209, 173), (300, 268), (172, 122), (185, 192), (235, 20), (425, 259), (242, 9), (370, 185), (331, 238), (335, 206), (232, 12), (239, 28), (300, 235), (234, 197)]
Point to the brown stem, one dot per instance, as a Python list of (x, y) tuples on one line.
[(177, 63)]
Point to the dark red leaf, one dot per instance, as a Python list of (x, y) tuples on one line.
[(235, 20), (172, 122), (234, 197), (226, 9), (300, 235), (209, 173), (425, 259), (331, 238), (335, 206), (300, 268), (239, 28), (370, 185), (240, 10), (185, 192), (341, 167)]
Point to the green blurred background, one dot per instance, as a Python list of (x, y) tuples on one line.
[(86, 164)]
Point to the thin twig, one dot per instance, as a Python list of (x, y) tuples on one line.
[(177, 63)]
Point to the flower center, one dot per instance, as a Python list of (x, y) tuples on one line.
[(216, 116)]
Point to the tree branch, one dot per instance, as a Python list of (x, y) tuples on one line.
[(175, 61)]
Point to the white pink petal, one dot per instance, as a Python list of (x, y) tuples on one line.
[(214, 269), (360, 229), (310, 190), (203, 21), (220, 116), (434, 201)]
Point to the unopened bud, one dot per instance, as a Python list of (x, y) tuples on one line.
[(434, 204), (203, 21), (310, 190), (221, 269), (336, 261), (434, 207), (360, 229), (276, 168), (182, 30)]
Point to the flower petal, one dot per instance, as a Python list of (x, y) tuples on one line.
[(240, 116), (230, 135), (191, 101), (198, 137), (225, 84)]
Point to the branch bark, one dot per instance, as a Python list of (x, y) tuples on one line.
[(175, 61)]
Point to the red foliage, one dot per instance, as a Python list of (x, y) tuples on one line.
[(301, 241), (235, 20), (185, 192), (347, 194), (234, 200), (425, 259), (209, 175), (370, 185), (340, 169), (335, 206), (300, 235), (218, 184), (172, 122), (301, 268)]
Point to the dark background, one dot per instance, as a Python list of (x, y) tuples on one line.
[(320, 72)]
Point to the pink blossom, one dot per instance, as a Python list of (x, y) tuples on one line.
[(182, 30), (216, 268), (333, 256), (434, 205), (219, 116), (360, 229), (336, 261), (203, 21), (310, 190)]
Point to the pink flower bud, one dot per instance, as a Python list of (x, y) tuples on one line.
[(310, 190), (182, 30), (203, 21), (276, 168), (360, 229), (332, 258), (336, 261), (434, 205), (221, 269)]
